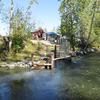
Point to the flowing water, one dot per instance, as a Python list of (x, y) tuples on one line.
[(43, 84)]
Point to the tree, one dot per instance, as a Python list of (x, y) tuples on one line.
[(11, 17), (69, 20), (21, 28), (19, 24), (78, 19), (93, 16)]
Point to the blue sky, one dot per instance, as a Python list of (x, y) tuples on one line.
[(45, 14)]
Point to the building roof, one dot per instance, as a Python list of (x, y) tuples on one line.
[(52, 33)]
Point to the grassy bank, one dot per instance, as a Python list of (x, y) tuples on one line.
[(37, 48)]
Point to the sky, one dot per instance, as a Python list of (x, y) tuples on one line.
[(45, 14)]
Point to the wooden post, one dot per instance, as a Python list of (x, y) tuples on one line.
[(55, 52), (52, 60), (32, 57)]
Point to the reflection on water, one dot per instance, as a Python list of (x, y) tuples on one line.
[(39, 85), (5, 92)]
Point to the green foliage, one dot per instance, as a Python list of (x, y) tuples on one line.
[(17, 43), (79, 19), (19, 24), (21, 31), (69, 20), (18, 35)]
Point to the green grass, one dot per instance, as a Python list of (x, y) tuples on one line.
[(37, 49)]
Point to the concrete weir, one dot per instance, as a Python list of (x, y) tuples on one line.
[(49, 62), (66, 60)]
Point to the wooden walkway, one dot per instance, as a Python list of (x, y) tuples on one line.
[(63, 58)]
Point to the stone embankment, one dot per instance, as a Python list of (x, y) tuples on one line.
[(12, 65), (82, 53)]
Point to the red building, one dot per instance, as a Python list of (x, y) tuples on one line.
[(38, 34)]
